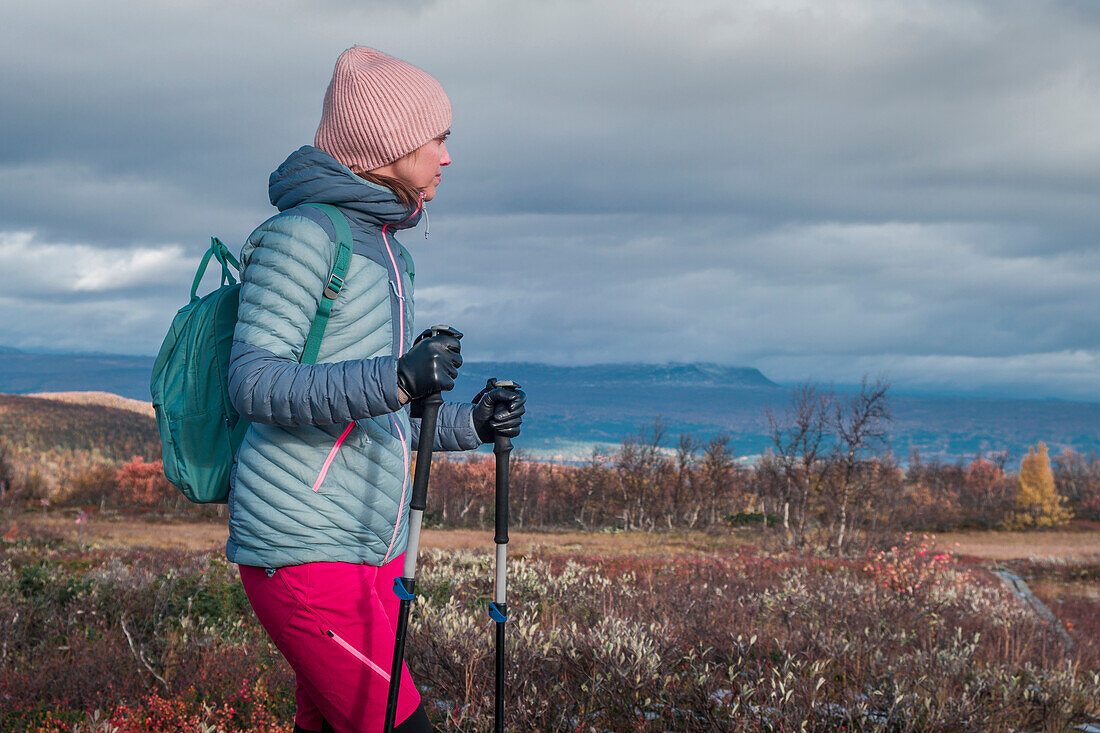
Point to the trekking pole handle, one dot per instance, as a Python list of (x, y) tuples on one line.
[(416, 406), (502, 447), (502, 443), (436, 330), (429, 414)]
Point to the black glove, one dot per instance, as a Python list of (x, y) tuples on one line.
[(431, 365), (499, 411)]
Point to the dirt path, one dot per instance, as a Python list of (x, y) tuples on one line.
[(211, 534), (1023, 545)]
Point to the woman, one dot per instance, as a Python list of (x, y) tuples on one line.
[(320, 484)]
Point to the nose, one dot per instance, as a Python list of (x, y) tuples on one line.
[(444, 156)]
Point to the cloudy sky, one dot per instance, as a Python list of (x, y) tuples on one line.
[(817, 189)]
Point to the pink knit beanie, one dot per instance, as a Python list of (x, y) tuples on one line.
[(378, 108)]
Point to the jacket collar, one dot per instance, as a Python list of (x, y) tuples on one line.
[(310, 175)]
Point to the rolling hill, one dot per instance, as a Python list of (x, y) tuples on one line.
[(48, 442), (38, 424)]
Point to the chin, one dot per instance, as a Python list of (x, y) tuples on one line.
[(429, 193)]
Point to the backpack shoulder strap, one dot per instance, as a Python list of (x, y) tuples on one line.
[(335, 281)]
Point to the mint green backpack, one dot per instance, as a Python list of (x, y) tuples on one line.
[(200, 430)]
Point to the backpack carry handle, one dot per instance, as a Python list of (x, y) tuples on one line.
[(220, 252)]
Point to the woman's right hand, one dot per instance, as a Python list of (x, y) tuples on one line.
[(431, 365)]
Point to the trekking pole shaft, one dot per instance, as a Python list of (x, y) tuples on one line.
[(499, 714), (406, 585), (502, 449), (398, 659)]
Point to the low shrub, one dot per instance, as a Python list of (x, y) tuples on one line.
[(96, 484), (739, 641), (743, 519)]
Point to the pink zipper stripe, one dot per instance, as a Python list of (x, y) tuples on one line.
[(359, 655), (400, 352), (404, 486), (332, 455)]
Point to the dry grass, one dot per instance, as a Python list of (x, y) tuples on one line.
[(115, 533), (590, 543), (98, 398)]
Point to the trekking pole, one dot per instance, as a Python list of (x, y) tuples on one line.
[(403, 587), (498, 609)]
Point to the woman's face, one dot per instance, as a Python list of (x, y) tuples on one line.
[(422, 168)]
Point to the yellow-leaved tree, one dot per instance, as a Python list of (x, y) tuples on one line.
[(1037, 503)]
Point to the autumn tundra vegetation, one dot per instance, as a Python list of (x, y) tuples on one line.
[(828, 481), (815, 599)]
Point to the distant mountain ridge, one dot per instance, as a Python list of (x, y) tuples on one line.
[(674, 373), (24, 372), (572, 409)]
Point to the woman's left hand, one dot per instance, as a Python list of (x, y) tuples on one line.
[(498, 411)]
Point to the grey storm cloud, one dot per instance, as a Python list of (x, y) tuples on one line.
[(817, 189)]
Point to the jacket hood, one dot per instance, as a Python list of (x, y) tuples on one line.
[(310, 175)]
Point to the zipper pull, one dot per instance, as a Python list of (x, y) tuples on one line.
[(393, 287), (427, 222)]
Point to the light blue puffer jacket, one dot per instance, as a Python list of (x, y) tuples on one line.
[(323, 472)]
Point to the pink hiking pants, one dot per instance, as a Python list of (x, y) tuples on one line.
[(334, 622)]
